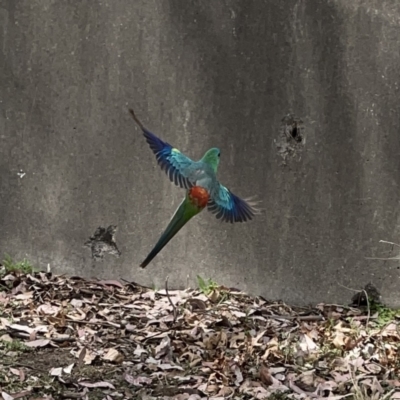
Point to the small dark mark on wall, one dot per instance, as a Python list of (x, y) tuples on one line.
[(291, 138), (103, 242)]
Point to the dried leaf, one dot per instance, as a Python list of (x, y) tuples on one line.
[(114, 356), (68, 369), (97, 385), (391, 330), (38, 343), (76, 303), (214, 296), (48, 309), (163, 348), (24, 296), (6, 396), (21, 394), (254, 341), (137, 380), (14, 371), (307, 344), (238, 373), (265, 375), (166, 366), (307, 378), (89, 357), (21, 328), (338, 340), (56, 371), (6, 338), (212, 341), (4, 323), (374, 368), (111, 283)]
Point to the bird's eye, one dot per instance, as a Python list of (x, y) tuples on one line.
[(219, 154)]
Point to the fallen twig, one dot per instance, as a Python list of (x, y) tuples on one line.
[(170, 301)]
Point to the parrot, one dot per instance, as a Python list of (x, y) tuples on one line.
[(202, 188)]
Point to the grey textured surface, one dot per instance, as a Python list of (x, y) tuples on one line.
[(203, 74)]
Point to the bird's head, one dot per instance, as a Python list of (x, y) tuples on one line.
[(212, 158)]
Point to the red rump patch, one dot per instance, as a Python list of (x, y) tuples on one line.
[(198, 196)]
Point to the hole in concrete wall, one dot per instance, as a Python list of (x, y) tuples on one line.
[(103, 242), (296, 133), (291, 137), (360, 298)]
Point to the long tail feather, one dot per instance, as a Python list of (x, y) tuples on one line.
[(180, 218), (136, 119)]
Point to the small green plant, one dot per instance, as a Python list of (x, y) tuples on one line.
[(328, 351), (154, 288), (279, 396), (206, 286), (9, 265), (385, 314), (14, 345)]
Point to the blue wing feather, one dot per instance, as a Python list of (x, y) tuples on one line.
[(185, 173), (228, 207), (172, 161)]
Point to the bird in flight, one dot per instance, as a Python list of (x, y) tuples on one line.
[(202, 188)]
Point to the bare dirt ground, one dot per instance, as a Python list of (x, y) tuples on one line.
[(73, 338)]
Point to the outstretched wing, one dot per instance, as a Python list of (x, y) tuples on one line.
[(229, 207), (175, 164)]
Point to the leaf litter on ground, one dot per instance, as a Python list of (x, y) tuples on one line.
[(71, 337)]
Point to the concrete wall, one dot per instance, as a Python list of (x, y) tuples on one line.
[(202, 74)]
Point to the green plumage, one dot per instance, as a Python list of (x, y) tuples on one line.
[(183, 214)]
